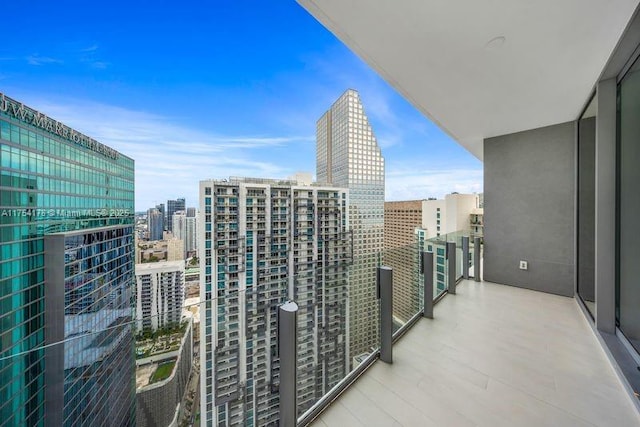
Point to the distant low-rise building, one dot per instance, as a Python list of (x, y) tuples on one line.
[(161, 250), (175, 250)]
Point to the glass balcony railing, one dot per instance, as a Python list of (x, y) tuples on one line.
[(408, 291), (408, 286), (438, 245), (237, 342)]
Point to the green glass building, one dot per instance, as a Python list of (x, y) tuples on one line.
[(66, 274)]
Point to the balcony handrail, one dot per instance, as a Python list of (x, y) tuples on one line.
[(332, 395)]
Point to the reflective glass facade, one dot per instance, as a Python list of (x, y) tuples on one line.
[(173, 206), (52, 180), (89, 375)]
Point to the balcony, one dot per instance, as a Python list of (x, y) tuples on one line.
[(493, 355)]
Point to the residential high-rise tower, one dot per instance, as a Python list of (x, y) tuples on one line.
[(264, 242), (160, 294)]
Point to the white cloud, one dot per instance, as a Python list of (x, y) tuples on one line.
[(91, 48), (42, 60), (172, 158)]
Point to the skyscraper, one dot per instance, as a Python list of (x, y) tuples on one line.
[(173, 206), (155, 224), (264, 242), (184, 228), (163, 212), (348, 155), (66, 276)]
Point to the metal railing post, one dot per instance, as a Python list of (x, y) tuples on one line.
[(451, 266), (477, 248), (385, 294), (287, 349), (427, 271), (465, 257)]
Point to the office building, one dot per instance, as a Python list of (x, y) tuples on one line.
[(155, 224), (66, 274), (163, 211), (173, 206), (89, 377), (400, 253), (160, 294), (545, 94), (264, 242), (348, 155), (191, 212)]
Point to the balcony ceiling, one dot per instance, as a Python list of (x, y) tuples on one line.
[(483, 68)]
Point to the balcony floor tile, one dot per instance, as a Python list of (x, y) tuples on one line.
[(494, 355)]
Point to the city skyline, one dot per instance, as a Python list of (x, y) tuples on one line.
[(238, 96)]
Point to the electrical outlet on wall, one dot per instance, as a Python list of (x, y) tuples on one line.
[(524, 265)]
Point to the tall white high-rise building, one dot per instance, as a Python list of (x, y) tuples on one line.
[(264, 242), (184, 228), (348, 155), (160, 294)]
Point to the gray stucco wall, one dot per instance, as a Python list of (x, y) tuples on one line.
[(156, 403), (529, 198)]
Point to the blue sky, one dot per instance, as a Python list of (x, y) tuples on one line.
[(195, 90)]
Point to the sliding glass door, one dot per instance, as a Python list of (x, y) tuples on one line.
[(628, 280)]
